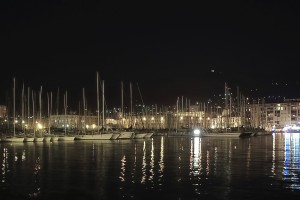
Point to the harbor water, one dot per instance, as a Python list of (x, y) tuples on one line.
[(161, 167)]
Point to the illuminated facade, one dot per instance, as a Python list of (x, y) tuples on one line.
[(268, 116), (3, 111)]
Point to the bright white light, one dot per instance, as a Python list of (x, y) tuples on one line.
[(39, 126), (196, 132)]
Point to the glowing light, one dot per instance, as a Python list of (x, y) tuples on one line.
[(196, 132), (39, 126), (162, 118)]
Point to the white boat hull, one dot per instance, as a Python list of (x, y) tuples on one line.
[(126, 135), (38, 139), (13, 139), (139, 135), (105, 136), (29, 139), (223, 134), (115, 136), (148, 135), (66, 138)]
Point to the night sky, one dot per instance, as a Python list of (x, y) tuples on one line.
[(165, 50)]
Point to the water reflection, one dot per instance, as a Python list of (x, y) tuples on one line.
[(291, 170), (162, 167), (195, 156), (5, 165)]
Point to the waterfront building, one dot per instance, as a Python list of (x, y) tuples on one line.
[(269, 116), (3, 111)]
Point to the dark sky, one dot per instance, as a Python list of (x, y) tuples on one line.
[(168, 50)]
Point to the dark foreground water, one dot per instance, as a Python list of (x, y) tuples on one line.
[(158, 168)]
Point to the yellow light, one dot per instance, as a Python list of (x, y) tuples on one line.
[(152, 118), (162, 118), (93, 126), (144, 118), (39, 126)]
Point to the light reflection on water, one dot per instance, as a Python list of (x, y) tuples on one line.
[(292, 161), (160, 167)]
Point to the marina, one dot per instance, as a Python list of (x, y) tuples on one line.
[(148, 102)]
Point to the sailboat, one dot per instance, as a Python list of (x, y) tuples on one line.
[(13, 138), (227, 132), (66, 137), (142, 133), (127, 134), (37, 137), (47, 136), (54, 137), (28, 137), (99, 135)]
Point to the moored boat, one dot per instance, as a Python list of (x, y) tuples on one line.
[(104, 136), (126, 135), (149, 135), (139, 135), (28, 139), (12, 139), (38, 139), (66, 138)]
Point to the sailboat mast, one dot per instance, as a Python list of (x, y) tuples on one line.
[(22, 105), (28, 107), (98, 104), (176, 115), (40, 101), (122, 101), (103, 110), (33, 125), (130, 87), (84, 114), (57, 101), (49, 110), (65, 104), (14, 105)]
